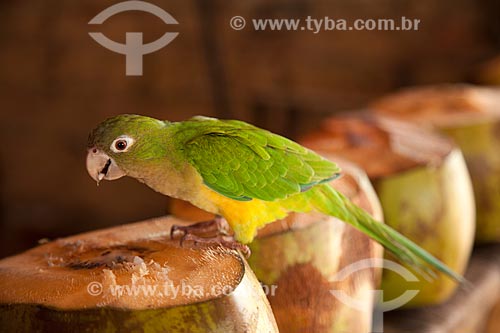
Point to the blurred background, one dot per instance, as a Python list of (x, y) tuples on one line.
[(57, 83)]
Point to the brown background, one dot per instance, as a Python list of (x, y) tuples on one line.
[(56, 83)]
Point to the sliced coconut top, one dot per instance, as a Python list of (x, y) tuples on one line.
[(380, 145), (135, 266), (442, 106)]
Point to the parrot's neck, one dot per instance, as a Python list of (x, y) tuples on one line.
[(176, 181)]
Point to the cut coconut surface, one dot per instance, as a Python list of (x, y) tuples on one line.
[(423, 186), (131, 276), (442, 106), (471, 117), (390, 146), (298, 258)]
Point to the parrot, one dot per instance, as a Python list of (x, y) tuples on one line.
[(247, 175)]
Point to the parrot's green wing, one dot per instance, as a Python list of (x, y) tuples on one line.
[(243, 162)]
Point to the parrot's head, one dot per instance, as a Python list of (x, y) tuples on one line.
[(119, 144)]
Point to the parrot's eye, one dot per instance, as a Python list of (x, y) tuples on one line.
[(121, 144)]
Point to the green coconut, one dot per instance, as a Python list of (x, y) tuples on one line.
[(131, 278), (423, 186), (471, 117)]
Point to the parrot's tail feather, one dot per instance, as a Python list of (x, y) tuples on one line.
[(329, 201)]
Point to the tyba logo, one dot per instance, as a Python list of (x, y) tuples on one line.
[(377, 295), (133, 49)]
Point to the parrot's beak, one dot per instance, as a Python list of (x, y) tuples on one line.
[(100, 166)]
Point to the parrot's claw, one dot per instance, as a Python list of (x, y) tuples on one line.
[(226, 241), (199, 233), (218, 226)]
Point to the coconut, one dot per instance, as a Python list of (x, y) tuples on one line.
[(131, 278), (471, 117), (423, 186)]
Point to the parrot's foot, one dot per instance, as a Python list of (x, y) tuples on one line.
[(202, 233), (218, 226), (226, 241)]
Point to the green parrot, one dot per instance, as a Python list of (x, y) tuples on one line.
[(247, 175)]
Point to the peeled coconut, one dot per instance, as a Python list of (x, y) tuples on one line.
[(131, 278), (423, 186), (471, 117)]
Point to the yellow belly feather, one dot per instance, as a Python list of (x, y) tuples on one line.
[(246, 217)]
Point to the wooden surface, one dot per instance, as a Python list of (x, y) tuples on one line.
[(469, 311)]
